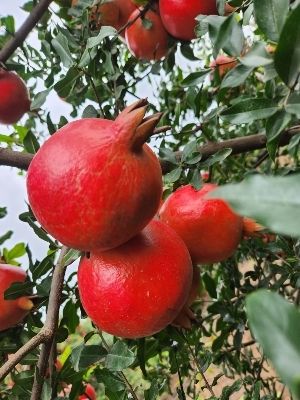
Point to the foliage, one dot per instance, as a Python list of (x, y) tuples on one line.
[(94, 72)]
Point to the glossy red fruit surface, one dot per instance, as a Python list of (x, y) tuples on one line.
[(209, 228), (12, 311), (137, 289), (14, 98), (178, 16), (147, 42), (89, 393), (95, 183)]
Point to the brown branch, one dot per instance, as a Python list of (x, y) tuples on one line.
[(21, 35), (238, 145), (46, 334)]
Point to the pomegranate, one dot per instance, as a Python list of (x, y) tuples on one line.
[(137, 289), (209, 228), (126, 8), (251, 228), (89, 393), (178, 16), (14, 98), (94, 184), (229, 9), (223, 64), (186, 315), (12, 311), (147, 43)]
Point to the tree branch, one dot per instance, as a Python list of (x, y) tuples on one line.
[(21, 35), (46, 334), (238, 145)]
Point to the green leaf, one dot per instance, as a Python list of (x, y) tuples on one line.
[(218, 157), (270, 16), (31, 143), (276, 327), (17, 251), (6, 236), (257, 56), (247, 111), (272, 201), (276, 124), (3, 212), (230, 37), (293, 104), (153, 392), (39, 99), (174, 175), (119, 357), (71, 256), (61, 46), (18, 289), (195, 78), (210, 285), (236, 76), (287, 54), (105, 31)]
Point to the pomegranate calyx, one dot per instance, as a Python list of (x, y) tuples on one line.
[(145, 130), (25, 303)]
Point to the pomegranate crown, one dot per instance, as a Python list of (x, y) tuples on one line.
[(133, 120)]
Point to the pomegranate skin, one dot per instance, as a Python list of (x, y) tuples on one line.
[(11, 311), (94, 184), (14, 99), (209, 228), (137, 289), (178, 16), (126, 8), (147, 43), (223, 64)]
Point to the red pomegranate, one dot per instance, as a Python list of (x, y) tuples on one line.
[(89, 393), (223, 64), (147, 42), (14, 98), (12, 311), (126, 8), (137, 289), (104, 14), (178, 16), (95, 183), (209, 228)]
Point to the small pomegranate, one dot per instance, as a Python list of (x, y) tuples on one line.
[(14, 98), (95, 183), (209, 228), (186, 315), (178, 16), (251, 228), (147, 42), (89, 393), (223, 64), (137, 289), (12, 311), (229, 9)]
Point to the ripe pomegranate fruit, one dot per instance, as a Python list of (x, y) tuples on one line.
[(178, 16), (223, 64), (147, 43), (12, 311), (209, 228), (94, 184), (14, 98), (89, 393), (126, 8), (229, 9), (186, 315), (137, 289)]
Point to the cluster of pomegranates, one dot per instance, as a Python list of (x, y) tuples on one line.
[(147, 26), (96, 186)]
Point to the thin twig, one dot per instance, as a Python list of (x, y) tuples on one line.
[(21, 35), (238, 145)]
